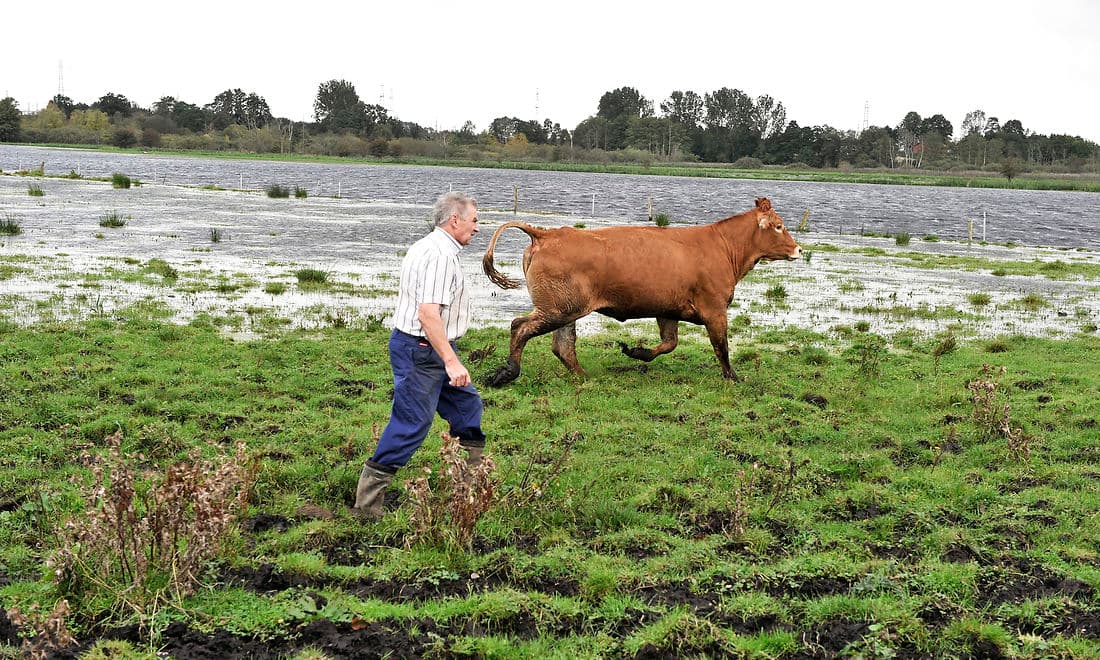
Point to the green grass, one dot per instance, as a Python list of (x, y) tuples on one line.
[(9, 225), (35, 190), (838, 487), (121, 181), (113, 219), (311, 277)]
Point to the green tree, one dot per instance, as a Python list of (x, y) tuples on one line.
[(592, 133), (165, 106), (338, 107), (684, 108), (189, 116), (114, 105), (64, 104), (233, 106), (769, 117), (730, 125), (619, 107), (937, 124), (9, 120), (909, 137), (503, 128), (536, 132)]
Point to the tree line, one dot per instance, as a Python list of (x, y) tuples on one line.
[(722, 126)]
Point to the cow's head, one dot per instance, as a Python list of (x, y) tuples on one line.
[(773, 241)]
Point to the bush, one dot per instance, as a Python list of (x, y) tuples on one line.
[(379, 148), (123, 138), (120, 181), (748, 163), (300, 192), (276, 191), (150, 137)]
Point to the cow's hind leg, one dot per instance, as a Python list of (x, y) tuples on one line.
[(670, 332), (565, 347), (524, 328)]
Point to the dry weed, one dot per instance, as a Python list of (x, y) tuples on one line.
[(51, 636), (992, 415), (145, 543), (448, 513)]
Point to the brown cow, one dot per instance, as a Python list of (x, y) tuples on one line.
[(671, 274)]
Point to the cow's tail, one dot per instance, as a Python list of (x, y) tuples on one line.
[(498, 278)]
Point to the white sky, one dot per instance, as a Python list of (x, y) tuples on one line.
[(442, 63)]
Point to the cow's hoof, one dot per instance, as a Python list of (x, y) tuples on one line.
[(637, 352), (503, 376)]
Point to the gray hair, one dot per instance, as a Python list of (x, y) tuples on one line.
[(450, 203)]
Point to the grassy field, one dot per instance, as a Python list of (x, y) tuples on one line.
[(854, 496)]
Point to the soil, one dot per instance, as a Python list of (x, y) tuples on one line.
[(999, 581)]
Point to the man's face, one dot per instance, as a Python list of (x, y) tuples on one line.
[(463, 225)]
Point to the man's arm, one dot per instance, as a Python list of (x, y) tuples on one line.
[(432, 324)]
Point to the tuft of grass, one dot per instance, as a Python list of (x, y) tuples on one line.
[(661, 220), (1033, 302), (979, 299), (311, 276), (776, 293), (162, 268), (120, 181), (113, 219), (902, 239), (34, 190), (275, 288), (217, 235), (300, 192), (275, 191), (9, 225)]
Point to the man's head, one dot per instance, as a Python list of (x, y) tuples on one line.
[(456, 214)]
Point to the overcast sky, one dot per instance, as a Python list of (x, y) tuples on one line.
[(441, 64)]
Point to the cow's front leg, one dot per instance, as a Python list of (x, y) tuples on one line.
[(524, 328), (670, 333), (716, 330)]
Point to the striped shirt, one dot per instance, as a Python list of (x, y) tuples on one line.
[(430, 273)]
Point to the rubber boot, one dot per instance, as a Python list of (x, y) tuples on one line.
[(370, 491), (473, 454)]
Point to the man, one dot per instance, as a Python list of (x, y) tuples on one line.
[(433, 310)]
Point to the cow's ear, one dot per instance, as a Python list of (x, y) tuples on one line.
[(764, 204)]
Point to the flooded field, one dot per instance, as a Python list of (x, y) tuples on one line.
[(234, 255)]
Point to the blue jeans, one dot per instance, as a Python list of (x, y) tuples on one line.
[(421, 388)]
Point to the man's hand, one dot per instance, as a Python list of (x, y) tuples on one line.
[(432, 324), (460, 377)]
